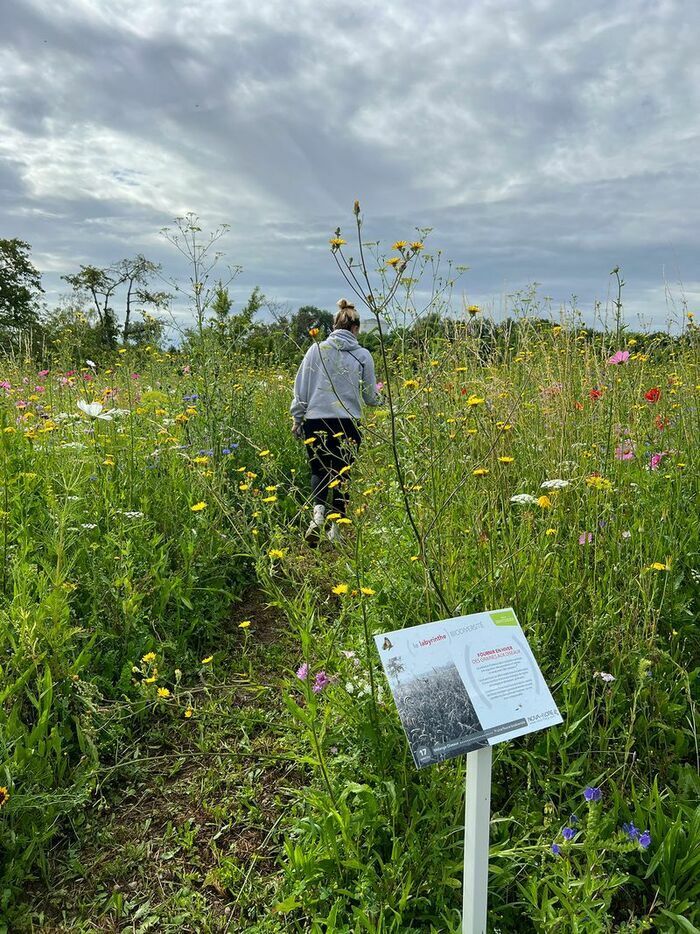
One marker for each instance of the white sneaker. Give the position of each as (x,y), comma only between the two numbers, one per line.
(335,535)
(313,533)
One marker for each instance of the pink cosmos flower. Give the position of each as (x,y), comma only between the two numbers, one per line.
(625,451)
(585,538)
(5,384)
(620,356)
(656,459)
(42,373)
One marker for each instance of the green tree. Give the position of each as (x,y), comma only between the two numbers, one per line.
(307,317)
(20,293)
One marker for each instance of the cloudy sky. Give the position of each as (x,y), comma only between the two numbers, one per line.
(540,145)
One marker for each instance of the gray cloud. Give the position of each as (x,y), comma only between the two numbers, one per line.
(540,146)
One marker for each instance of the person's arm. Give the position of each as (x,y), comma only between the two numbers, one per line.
(302,385)
(369,383)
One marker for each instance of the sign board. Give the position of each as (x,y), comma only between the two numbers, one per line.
(464,683)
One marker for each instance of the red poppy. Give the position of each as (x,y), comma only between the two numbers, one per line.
(661,423)
(595,394)
(653,395)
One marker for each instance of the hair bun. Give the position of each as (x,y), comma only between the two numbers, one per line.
(344,303)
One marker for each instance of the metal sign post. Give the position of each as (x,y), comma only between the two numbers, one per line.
(477,815)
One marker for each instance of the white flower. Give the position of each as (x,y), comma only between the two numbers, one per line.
(555,484)
(91,363)
(523,499)
(604,676)
(133,515)
(88,525)
(349,687)
(94,410)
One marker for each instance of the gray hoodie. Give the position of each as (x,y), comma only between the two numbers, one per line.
(331,377)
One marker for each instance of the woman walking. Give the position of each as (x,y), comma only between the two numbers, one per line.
(333,379)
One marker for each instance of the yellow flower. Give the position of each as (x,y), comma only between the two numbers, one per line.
(4,796)
(310,440)
(334,515)
(269,499)
(474,400)
(313,332)
(149,657)
(393,261)
(333,484)
(599,483)
(270,489)
(367,591)
(410,384)
(245,624)
(198,507)
(263,453)
(335,242)
(340,589)
(151,680)
(202,459)
(506,460)
(551,532)
(208,660)
(399,245)
(480,471)
(544,502)
(108,461)
(188,713)
(473,309)
(276,553)
(344,521)
(416,245)
(244,486)
(163,692)
(343,470)
(658,566)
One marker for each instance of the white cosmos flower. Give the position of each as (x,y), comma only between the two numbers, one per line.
(555,484)
(523,499)
(94,410)
(91,363)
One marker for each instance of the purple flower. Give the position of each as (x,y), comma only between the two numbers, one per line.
(303,672)
(573,819)
(556,849)
(568,833)
(321,681)
(631,831)
(585,538)
(623,452)
(592,794)
(645,839)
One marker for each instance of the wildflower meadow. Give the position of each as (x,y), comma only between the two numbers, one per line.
(195,731)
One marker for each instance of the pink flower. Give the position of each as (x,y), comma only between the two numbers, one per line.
(5,384)
(42,373)
(625,451)
(303,672)
(135,376)
(39,389)
(585,538)
(656,459)
(620,356)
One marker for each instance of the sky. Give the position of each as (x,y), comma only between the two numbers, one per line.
(541,145)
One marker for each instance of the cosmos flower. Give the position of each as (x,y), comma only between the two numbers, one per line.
(620,356)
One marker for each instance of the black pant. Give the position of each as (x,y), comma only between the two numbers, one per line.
(335,446)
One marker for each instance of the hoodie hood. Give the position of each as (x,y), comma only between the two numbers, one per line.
(343,340)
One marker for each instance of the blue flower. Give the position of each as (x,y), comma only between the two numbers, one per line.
(592,794)
(556,849)
(573,819)
(645,839)
(631,831)
(568,833)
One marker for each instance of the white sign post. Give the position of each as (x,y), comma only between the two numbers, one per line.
(462,685)
(477,814)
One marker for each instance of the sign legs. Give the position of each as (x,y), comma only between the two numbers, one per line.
(477,815)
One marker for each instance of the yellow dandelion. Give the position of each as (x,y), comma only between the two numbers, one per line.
(551,532)
(245,624)
(544,502)
(343,521)
(336,242)
(264,453)
(208,660)
(399,245)
(270,499)
(475,400)
(658,566)
(163,692)
(480,471)
(276,553)
(188,713)
(473,309)
(310,440)
(416,245)
(367,591)
(393,261)
(506,459)
(340,589)
(334,515)
(198,507)
(333,484)
(149,657)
